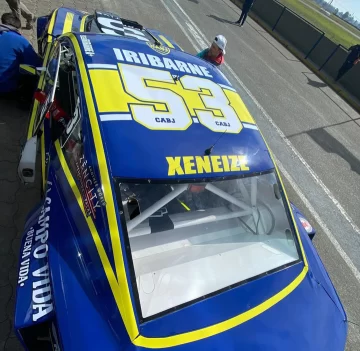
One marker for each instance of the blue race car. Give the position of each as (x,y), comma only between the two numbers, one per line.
(164,223)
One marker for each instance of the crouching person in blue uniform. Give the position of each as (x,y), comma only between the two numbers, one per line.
(15,50)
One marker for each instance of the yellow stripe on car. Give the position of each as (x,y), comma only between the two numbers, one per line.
(122,295)
(42,76)
(167,42)
(196,335)
(29,69)
(68,22)
(51,25)
(66,28)
(36,102)
(82,24)
(98,243)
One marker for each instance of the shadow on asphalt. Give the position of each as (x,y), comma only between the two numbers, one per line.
(331,145)
(222,20)
(356,120)
(316,84)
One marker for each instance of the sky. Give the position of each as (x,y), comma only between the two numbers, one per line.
(353,6)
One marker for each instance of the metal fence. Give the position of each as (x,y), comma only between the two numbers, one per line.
(321,33)
(311,41)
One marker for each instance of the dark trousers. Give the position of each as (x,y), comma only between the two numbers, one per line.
(344,68)
(243,16)
(24,94)
(18,8)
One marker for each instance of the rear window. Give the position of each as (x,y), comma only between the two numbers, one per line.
(191,240)
(109,23)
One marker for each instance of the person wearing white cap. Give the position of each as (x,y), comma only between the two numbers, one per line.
(215,53)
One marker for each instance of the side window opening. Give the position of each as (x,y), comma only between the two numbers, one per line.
(65,111)
(46,95)
(67,90)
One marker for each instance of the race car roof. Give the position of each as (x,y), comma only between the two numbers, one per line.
(110,23)
(164,113)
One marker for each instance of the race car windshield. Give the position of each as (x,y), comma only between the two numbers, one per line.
(191,240)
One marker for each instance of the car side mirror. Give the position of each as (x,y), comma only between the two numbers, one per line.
(27,164)
(309,229)
(302,223)
(31,70)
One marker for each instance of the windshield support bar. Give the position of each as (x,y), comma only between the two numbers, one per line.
(244,191)
(253,191)
(212,218)
(227,196)
(156,206)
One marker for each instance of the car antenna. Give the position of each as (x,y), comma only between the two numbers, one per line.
(210,149)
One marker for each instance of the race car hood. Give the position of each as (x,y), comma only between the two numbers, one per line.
(128,76)
(306,319)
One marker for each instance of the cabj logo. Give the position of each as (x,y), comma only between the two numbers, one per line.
(163,50)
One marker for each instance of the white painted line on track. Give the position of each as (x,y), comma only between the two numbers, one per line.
(197,37)
(346,258)
(318,219)
(180,26)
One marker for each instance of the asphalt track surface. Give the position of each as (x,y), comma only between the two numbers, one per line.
(313,133)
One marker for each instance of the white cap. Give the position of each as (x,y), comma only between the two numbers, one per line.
(220,41)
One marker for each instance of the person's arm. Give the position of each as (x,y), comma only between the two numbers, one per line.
(357,48)
(202,54)
(29,56)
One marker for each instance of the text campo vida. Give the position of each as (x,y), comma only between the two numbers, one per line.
(34,256)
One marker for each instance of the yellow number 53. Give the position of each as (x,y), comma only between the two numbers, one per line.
(159,101)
